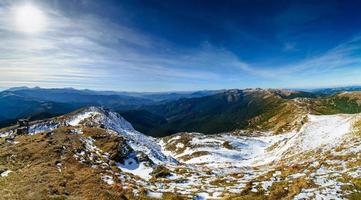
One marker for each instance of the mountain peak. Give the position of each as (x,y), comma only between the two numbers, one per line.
(17,88)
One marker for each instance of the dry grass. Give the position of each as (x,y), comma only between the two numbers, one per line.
(35,174)
(193,155)
(184,138)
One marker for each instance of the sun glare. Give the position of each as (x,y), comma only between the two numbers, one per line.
(29,19)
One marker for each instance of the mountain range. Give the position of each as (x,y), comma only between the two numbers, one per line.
(36,103)
(95,153)
(163,114)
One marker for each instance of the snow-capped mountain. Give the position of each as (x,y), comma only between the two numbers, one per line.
(320,160)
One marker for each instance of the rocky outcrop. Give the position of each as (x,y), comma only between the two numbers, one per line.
(23,127)
(120,151)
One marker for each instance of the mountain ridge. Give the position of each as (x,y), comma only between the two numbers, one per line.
(124,163)
(226,110)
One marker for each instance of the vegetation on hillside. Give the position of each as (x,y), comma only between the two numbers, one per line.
(44,166)
(348,103)
(223,112)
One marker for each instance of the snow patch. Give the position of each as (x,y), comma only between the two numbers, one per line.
(155,195)
(108,179)
(6,134)
(42,127)
(179,145)
(6,173)
(132,166)
(201,196)
(75,121)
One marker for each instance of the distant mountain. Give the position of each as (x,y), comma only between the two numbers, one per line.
(171,96)
(231,110)
(143,120)
(71,95)
(226,111)
(85,97)
(162,114)
(13,106)
(343,102)
(335,90)
(39,103)
(17,88)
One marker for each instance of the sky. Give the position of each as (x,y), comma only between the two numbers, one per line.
(179,45)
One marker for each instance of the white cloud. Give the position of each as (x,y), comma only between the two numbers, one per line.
(342,57)
(288,46)
(87,51)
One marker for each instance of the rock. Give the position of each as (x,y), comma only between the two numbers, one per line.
(23,127)
(120,151)
(161,172)
(2,170)
(142,157)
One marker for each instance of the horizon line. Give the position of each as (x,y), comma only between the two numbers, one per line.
(185,91)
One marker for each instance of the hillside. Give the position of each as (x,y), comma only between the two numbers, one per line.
(74,154)
(40,103)
(208,112)
(78,97)
(13,106)
(345,102)
(67,157)
(229,111)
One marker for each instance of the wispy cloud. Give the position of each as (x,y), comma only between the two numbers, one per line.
(288,46)
(87,51)
(340,59)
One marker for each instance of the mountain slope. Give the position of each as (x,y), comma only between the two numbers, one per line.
(336,90)
(143,121)
(227,111)
(66,95)
(224,111)
(13,106)
(83,97)
(39,103)
(67,157)
(320,161)
(71,148)
(346,102)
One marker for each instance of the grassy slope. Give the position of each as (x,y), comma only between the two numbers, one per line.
(274,110)
(218,113)
(33,162)
(35,175)
(340,103)
(228,111)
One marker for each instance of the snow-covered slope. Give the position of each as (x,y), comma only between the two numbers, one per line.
(320,132)
(304,164)
(229,149)
(113,121)
(269,160)
(140,144)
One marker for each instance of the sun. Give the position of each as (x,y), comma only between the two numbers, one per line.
(29,19)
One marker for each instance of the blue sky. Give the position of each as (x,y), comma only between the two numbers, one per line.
(154,45)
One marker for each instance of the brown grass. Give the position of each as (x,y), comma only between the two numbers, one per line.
(35,174)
